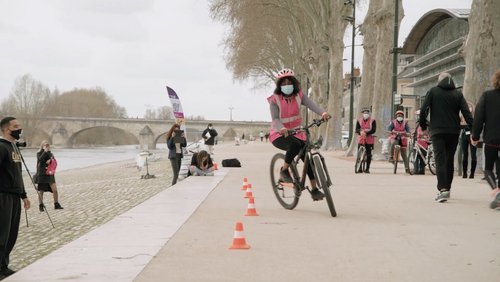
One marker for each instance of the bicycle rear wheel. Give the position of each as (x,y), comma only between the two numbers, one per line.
(360,160)
(323,183)
(412,161)
(286,193)
(397,149)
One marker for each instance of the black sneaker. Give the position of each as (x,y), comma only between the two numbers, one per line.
(58,206)
(367,171)
(5,272)
(285,176)
(317,195)
(41,207)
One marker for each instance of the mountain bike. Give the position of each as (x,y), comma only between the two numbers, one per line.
(288,194)
(426,155)
(361,157)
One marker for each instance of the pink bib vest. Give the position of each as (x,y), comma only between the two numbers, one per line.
(289,115)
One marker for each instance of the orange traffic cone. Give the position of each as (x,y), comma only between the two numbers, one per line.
(248,193)
(251,211)
(245,182)
(239,241)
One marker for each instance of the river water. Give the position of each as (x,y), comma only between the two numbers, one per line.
(85,157)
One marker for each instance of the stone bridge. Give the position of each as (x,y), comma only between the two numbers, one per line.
(62,131)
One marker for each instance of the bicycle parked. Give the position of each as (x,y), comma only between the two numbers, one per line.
(426,156)
(288,194)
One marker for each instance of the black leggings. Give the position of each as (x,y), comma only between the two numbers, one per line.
(292,146)
(465,145)
(491,156)
(176,167)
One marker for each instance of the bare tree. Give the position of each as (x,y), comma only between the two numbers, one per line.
(306,36)
(378,31)
(27,101)
(86,103)
(482,54)
(163,113)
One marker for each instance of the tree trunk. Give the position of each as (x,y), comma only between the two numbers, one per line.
(376,86)
(482,48)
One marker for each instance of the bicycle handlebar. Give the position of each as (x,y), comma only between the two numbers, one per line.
(315,122)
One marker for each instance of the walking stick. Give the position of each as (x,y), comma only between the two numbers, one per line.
(26,213)
(33,183)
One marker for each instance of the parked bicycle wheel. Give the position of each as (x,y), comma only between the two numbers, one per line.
(323,182)
(286,193)
(412,161)
(397,149)
(360,165)
(431,163)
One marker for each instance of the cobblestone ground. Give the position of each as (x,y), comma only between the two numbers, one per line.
(90,197)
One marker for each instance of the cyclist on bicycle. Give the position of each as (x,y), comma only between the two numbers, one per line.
(366,127)
(285,113)
(422,139)
(399,127)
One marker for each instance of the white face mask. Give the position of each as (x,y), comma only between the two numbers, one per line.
(366,116)
(287,89)
(400,119)
(210,127)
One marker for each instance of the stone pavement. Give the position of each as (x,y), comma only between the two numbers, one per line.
(388,229)
(90,197)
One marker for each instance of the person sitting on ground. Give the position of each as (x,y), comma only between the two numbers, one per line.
(46,182)
(201,164)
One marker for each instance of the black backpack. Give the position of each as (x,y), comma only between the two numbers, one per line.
(231,163)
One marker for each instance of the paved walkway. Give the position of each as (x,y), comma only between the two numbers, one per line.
(388,229)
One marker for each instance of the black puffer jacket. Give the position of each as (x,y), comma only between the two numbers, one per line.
(11,177)
(444,102)
(488,116)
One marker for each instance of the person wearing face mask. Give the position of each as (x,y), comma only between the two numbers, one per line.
(285,105)
(209,135)
(399,126)
(11,191)
(444,102)
(366,127)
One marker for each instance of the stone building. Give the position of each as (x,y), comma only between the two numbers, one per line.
(434,46)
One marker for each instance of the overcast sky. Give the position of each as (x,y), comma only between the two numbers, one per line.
(134,48)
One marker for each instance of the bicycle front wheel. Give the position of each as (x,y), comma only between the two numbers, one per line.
(360,160)
(397,149)
(286,193)
(322,181)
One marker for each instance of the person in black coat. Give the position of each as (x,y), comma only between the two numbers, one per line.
(46,182)
(209,135)
(487,117)
(11,191)
(444,102)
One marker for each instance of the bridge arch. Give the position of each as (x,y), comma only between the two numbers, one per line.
(115,131)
